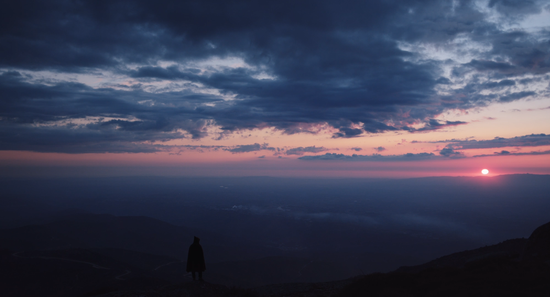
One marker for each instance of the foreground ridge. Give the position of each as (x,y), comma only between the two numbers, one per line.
(515,267)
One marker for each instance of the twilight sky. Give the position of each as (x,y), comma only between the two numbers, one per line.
(282,88)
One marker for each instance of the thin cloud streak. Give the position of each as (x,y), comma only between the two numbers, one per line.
(498,142)
(372,158)
(507,153)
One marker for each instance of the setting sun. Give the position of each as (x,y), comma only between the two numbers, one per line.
(485,171)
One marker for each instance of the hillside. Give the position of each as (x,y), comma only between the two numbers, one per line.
(105,252)
(511,268)
(517,267)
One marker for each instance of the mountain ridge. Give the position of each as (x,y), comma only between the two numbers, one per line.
(107,271)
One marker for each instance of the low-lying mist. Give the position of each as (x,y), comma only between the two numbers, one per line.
(367,224)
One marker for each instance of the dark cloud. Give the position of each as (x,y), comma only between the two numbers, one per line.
(347,133)
(502,83)
(357,149)
(525,54)
(507,153)
(497,142)
(491,66)
(41,117)
(516,96)
(170,73)
(433,124)
(302,150)
(67,141)
(374,157)
(331,64)
(515,7)
(450,153)
(380,149)
(200,148)
(250,148)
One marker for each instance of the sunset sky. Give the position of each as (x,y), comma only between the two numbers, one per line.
(274,88)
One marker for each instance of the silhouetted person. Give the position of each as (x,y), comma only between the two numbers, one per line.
(195,259)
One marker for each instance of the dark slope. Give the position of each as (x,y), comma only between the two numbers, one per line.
(48,273)
(510,248)
(106,253)
(518,267)
(52,266)
(68,273)
(274,270)
(538,246)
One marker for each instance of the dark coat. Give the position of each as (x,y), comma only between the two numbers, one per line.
(195,257)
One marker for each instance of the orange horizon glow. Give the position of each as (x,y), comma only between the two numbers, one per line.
(164,164)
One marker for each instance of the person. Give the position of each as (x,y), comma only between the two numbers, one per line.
(195,259)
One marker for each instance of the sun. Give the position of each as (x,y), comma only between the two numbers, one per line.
(485,171)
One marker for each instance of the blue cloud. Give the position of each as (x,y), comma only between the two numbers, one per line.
(374,157)
(338,65)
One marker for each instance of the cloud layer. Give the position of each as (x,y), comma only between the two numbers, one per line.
(498,142)
(182,69)
(374,157)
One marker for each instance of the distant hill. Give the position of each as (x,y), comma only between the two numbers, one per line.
(510,248)
(517,267)
(537,249)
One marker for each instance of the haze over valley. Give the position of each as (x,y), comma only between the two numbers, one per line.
(339,227)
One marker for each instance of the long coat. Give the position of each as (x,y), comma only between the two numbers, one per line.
(195,257)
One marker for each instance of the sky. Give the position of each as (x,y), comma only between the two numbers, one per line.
(274,88)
